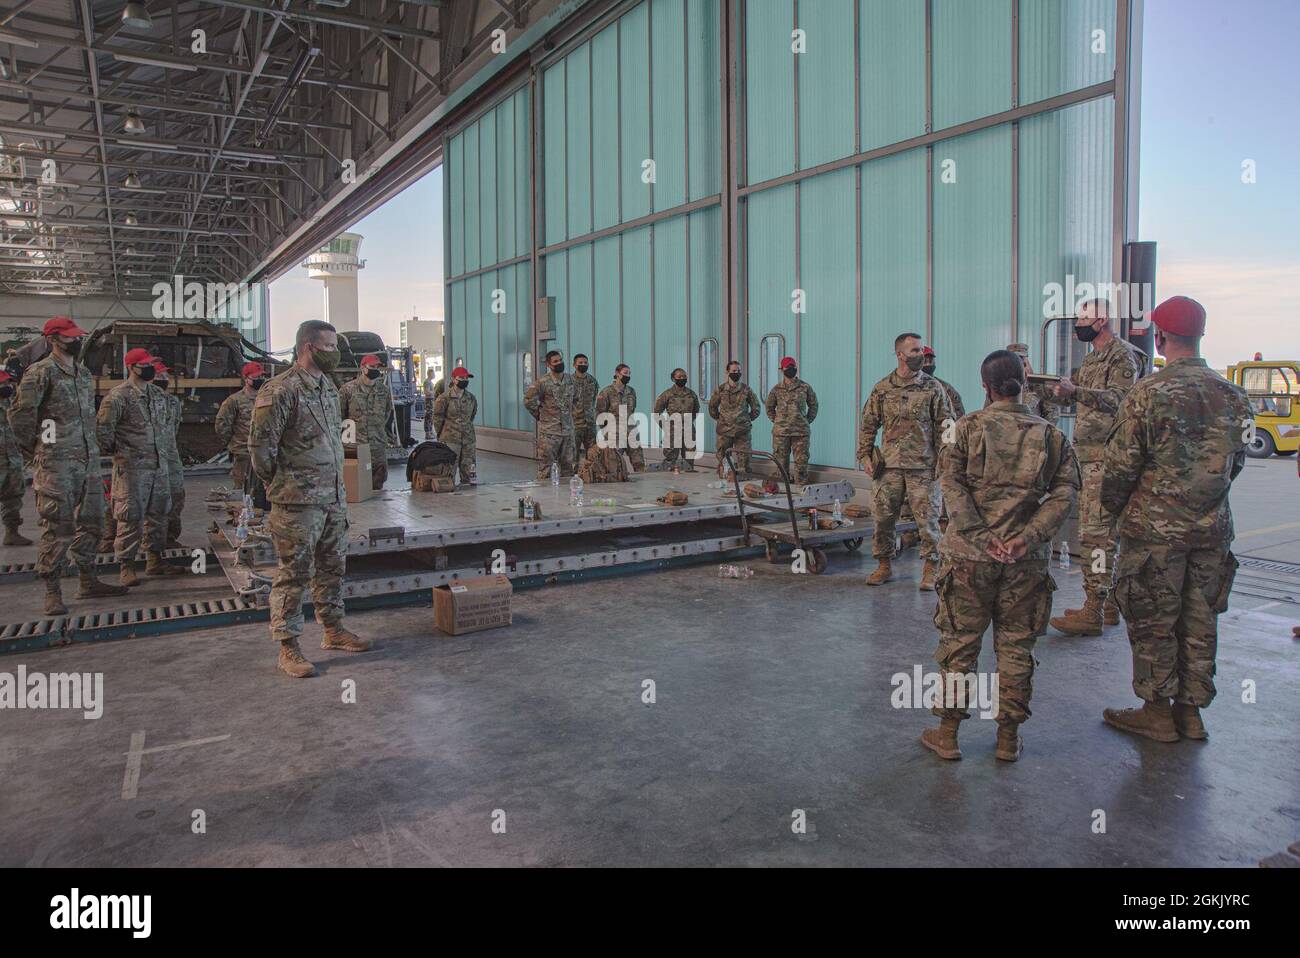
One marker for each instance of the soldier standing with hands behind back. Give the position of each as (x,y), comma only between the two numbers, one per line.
(792,406)
(234,419)
(453,416)
(12,482)
(368,402)
(550,401)
(680,402)
(618,400)
(734,407)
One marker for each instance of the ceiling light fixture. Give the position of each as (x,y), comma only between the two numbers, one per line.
(131,220)
(133,122)
(132,182)
(136,16)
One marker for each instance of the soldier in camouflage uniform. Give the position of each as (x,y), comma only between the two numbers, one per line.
(550,400)
(234,419)
(53,419)
(296,445)
(791,406)
(1104,378)
(168,441)
(585,389)
(617,401)
(949,390)
(1178,443)
(368,402)
(12,482)
(453,416)
(910,409)
(734,407)
(132,421)
(602,465)
(678,405)
(1009,479)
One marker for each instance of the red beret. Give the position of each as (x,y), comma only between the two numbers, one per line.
(138,357)
(370,361)
(788,361)
(4,376)
(252,370)
(62,326)
(1180,316)
(460,372)
(928,351)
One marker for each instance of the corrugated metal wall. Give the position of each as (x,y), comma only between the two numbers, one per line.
(955,236)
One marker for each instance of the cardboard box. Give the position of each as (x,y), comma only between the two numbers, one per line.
(356,473)
(472,605)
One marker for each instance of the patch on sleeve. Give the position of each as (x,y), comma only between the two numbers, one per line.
(265,397)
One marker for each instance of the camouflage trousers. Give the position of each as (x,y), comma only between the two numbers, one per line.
(12,488)
(636,456)
(584,437)
(786,447)
(1171,599)
(176,486)
(70,503)
(552,449)
(378,466)
(428,419)
(1096,531)
(1016,599)
(739,447)
(239,469)
(311,544)
(466,451)
(141,501)
(920,489)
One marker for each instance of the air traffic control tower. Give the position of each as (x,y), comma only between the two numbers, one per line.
(337,264)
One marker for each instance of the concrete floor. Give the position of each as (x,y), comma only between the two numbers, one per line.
(772,695)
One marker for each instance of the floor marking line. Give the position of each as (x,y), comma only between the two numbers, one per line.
(131,780)
(193,741)
(1268,529)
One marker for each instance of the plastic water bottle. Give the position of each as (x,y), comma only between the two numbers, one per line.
(528,510)
(603,502)
(838,513)
(575,491)
(241,531)
(555,473)
(1065,555)
(735,572)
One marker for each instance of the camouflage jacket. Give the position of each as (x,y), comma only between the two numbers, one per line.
(131,424)
(602,465)
(168,435)
(954,398)
(67,399)
(550,401)
(615,395)
(233,421)
(1038,397)
(369,404)
(792,406)
(735,407)
(584,400)
(677,399)
(296,440)
(1105,376)
(910,414)
(9,450)
(1179,442)
(453,416)
(1007,473)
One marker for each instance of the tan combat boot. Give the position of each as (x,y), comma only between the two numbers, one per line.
(1010,745)
(927,575)
(292,662)
(155,565)
(337,637)
(127,575)
(92,587)
(1085,621)
(13,538)
(884,573)
(1154,720)
(1110,611)
(54,597)
(943,740)
(1187,720)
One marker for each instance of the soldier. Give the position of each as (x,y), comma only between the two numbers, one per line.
(368,402)
(453,416)
(549,400)
(53,419)
(12,482)
(1009,479)
(1178,443)
(734,407)
(1105,376)
(131,423)
(234,419)
(175,467)
(432,390)
(585,389)
(618,401)
(910,409)
(296,448)
(792,406)
(678,405)
(954,397)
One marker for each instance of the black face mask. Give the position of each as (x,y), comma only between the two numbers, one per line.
(257,383)
(791,371)
(928,370)
(581,369)
(734,377)
(1086,334)
(373,374)
(73,348)
(558,368)
(462,384)
(625,379)
(148,373)
(6,391)
(679,382)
